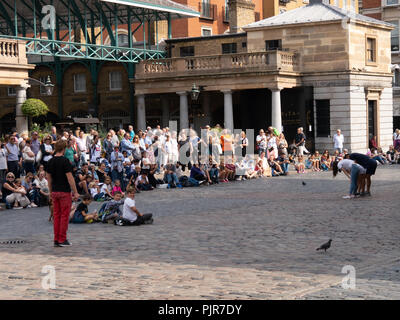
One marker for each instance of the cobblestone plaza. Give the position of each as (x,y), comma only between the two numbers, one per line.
(244,240)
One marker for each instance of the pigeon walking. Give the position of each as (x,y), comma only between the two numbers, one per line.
(325,246)
(303,183)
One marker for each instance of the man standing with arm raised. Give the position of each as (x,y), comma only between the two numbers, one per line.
(61,182)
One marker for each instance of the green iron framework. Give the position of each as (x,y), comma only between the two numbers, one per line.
(87,32)
(95,19)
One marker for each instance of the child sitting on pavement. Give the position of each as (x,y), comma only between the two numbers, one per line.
(117,188)
(106,188)
(95,192)
(131,215)
(82,214)
(142,182)
(110,211)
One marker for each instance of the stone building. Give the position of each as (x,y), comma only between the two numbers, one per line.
(388,10)
(317,66)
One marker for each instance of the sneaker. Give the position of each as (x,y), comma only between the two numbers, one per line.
(66,243)
(17,208)
(179,186)
(56,244)
(201,182)
(118,222)
(33,205)
(348,197)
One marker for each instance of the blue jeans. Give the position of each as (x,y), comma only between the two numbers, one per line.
(355,170)
(171,177)
(285,167)
(214,173)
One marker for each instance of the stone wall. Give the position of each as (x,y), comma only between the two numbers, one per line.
(206,47)
(348,110)
(322,47)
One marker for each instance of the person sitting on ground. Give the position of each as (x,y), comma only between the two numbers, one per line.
(266,169)
(11,194)
(142,182)
(275,167)
(337,156)
(317,161)
(117,187)
(20,199)
(110,211)
(130,214)
(197,173)
(101,172)
(170,176)
(95,192)
(283,161)
(32,192)
(81,177)
(82,214)
(106,188)
(299,165)
(43,187)
(326,161)
(230,165)
(213,171)
(392,155)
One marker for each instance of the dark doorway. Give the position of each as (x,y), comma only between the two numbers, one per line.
(372,128)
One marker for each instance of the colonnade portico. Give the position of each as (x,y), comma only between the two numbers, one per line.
(276,113)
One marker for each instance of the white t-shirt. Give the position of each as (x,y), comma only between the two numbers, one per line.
(396,136)
(338,141)
(261,140)
(104,188)
(93,191)
(96,152)
(81,144)
(127,211)
(345,164)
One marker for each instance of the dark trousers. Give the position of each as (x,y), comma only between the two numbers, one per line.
(29,167)
(14,168)
(140,220)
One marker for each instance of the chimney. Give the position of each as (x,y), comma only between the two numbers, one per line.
(241,13)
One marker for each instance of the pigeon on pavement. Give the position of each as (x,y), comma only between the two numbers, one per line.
(325,246)
(303,183)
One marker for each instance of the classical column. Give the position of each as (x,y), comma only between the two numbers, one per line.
(228,109)
(20,118)
(184,110)
(141,112)
(165,111)
(276,115)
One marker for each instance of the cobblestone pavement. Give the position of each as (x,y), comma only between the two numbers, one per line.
(243,240)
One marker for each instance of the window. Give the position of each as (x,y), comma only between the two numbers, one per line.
(206,32)
(394,36)
(11,91)
(392,2)
(123,40)
(115,80)
(229,48)
(79,82)
(371,50)
(273,45)
(396,78)
(244,44)
(323,118)
(187,51)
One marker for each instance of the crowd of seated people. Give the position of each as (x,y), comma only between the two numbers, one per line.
(104,169)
